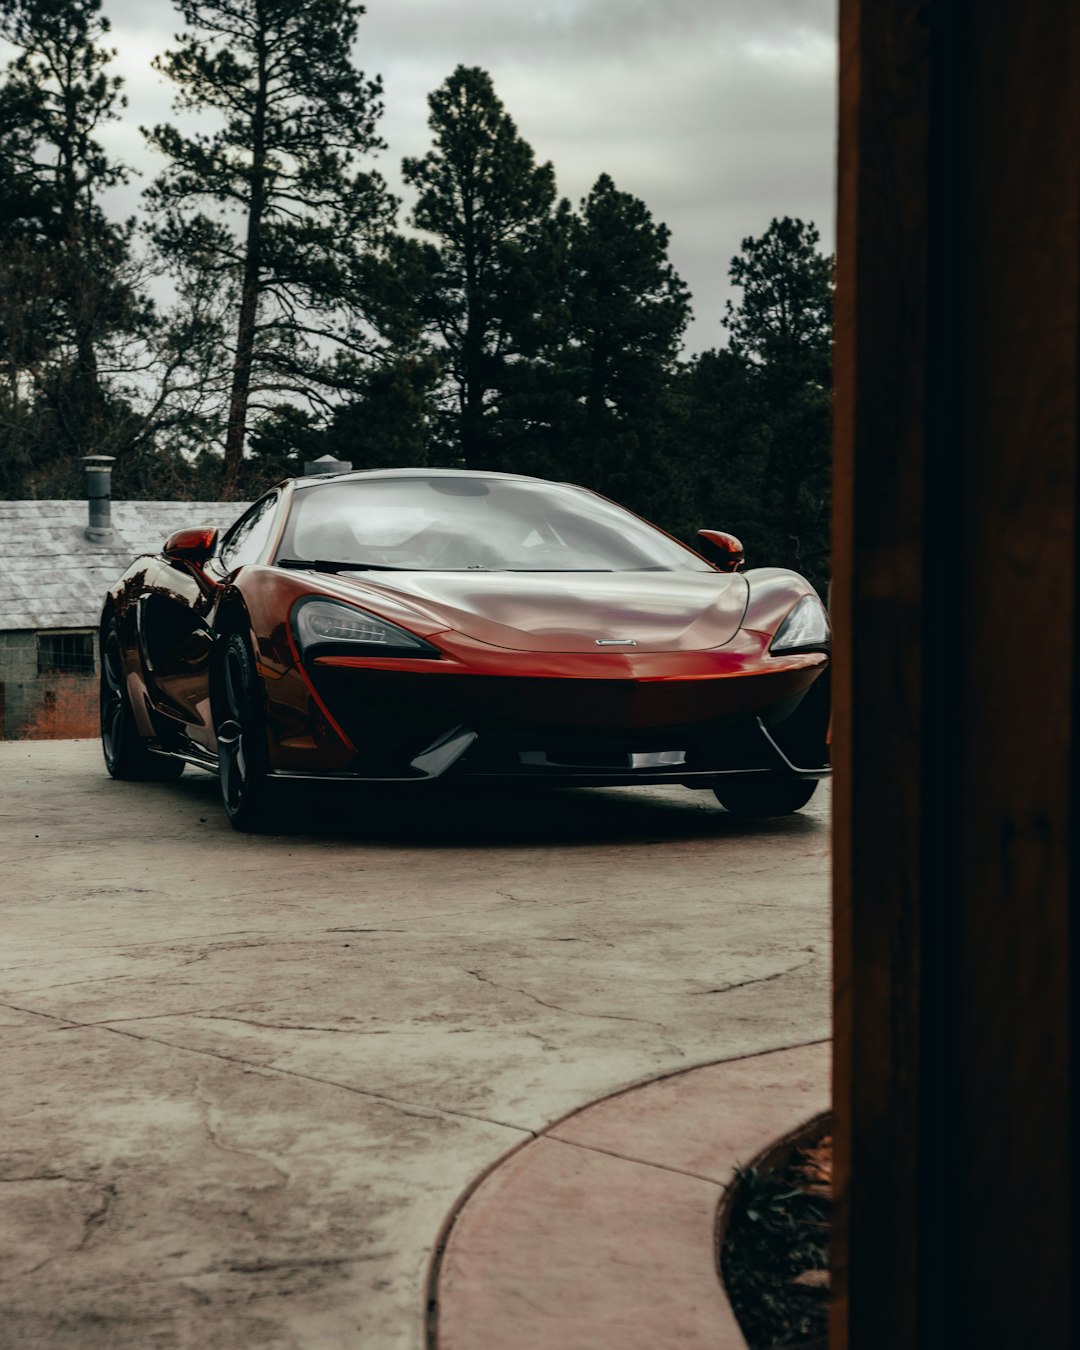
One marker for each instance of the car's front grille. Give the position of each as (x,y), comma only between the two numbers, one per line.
(538,727)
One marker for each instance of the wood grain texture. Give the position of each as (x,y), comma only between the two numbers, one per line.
(955,607)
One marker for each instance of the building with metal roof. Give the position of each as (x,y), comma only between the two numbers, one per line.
(57,559)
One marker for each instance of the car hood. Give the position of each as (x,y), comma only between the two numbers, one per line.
(567,611)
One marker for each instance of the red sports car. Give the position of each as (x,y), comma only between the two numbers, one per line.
(399,625)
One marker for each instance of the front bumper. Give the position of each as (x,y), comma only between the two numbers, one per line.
(412,720)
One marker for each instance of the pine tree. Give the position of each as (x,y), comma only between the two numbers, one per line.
(71,292)
(485,200)
(716,443)
(784,318)
(383,424)
(273,205)
(782,329)
(615,342)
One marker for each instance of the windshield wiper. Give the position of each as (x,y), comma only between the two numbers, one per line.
(324,565)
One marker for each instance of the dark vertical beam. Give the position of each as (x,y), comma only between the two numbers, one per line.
(957,360)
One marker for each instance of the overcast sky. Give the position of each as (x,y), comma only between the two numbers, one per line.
(719,114)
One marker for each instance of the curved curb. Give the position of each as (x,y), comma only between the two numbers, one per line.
(602,1229)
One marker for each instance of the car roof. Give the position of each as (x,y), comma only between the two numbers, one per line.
(353,475)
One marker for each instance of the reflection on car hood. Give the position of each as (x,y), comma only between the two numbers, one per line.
(569,611)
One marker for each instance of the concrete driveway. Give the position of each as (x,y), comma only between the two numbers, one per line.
(246,1079)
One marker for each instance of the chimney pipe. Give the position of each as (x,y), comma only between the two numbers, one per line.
(326,464)
(99,497)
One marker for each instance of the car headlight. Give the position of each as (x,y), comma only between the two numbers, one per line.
(331,623)
(806,629)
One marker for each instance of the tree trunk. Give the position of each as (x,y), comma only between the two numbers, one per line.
(596,417)
(242,365)
(83,405)
(473,383)
(472,412)
(243,360)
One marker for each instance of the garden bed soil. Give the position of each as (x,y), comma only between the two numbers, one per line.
(775,1254)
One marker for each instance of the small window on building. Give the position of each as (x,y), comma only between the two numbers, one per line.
(65,653)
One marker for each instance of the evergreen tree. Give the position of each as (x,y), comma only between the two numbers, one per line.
(782,330)
(784,318)
(72,294)
(272,205)
(612,351)
(28,339)
(628,312)
(715,444)
(485,199)
(389,425)
(384,424)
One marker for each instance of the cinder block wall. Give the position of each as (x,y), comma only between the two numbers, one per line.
(22,689)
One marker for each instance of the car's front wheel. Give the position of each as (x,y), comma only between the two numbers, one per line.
(125,752)
(757,795)
(241,736)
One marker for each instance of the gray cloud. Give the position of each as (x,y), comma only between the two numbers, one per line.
(719,115)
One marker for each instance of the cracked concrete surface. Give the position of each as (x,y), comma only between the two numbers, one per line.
(247,1079)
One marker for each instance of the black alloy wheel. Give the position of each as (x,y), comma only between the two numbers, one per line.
(757,795)
(241,735)
(126,755)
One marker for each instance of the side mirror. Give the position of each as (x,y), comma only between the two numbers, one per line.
(191,546)
(722,549)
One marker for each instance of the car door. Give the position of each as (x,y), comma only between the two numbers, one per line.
(178,638)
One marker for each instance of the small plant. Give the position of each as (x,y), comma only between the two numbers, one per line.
(775,1257)
(68,710)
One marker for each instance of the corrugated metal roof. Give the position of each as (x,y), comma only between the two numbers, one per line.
(52,576)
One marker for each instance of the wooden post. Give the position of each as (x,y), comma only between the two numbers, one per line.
(955,733)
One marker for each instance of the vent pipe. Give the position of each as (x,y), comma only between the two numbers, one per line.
(99,497)
(327,464)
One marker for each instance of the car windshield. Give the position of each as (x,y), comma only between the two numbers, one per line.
(473,524)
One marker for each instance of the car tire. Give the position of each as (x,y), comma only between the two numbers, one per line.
(126,755)
(761,796)
(243,761)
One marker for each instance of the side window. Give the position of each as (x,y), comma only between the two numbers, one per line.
(247,538)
